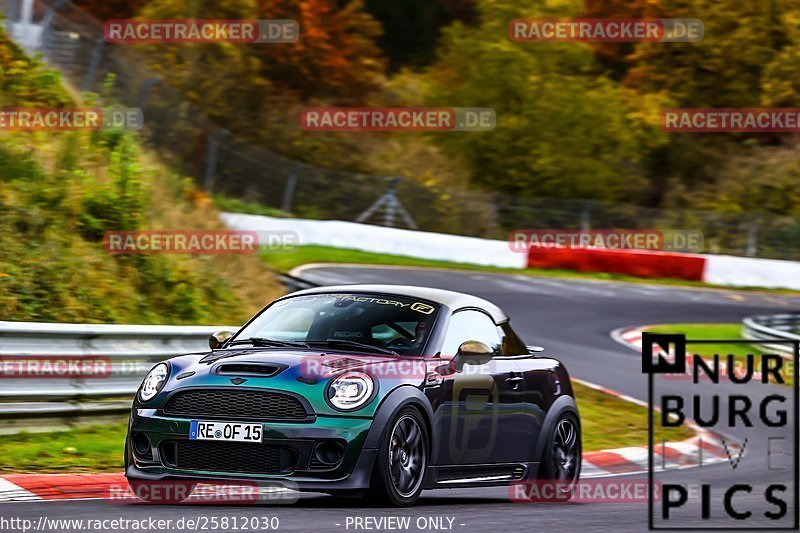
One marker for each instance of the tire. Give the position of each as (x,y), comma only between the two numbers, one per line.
(161,492)
(561,459)
(399,472)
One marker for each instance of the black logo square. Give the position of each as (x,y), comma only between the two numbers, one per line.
(663,353)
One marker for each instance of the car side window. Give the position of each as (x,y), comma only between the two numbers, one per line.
(470,325)
(512,344)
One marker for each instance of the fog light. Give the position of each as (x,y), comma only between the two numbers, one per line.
(329,452)
(141,445)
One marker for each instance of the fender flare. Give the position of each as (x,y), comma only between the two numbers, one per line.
(399,398)
(561,405)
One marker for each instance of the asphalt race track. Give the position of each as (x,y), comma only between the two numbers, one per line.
(572,320)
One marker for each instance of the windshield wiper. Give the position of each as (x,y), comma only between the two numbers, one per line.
(353,344)
(255,341)
(261,341)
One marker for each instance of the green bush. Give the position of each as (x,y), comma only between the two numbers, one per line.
(60,192)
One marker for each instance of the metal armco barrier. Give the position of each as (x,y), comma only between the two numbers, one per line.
(127,353)
(765,328)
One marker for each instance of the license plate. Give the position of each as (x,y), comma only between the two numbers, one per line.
(227,431)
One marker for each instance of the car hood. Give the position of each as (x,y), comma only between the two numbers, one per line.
(303,372)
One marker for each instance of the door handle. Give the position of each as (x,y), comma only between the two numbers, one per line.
(515,380)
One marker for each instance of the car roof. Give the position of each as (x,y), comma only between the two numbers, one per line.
(453,300)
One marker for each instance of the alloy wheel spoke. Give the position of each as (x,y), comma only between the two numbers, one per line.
(570,441)
(406,479)
(407,456)
(412,437)
(565,446)
(402,432)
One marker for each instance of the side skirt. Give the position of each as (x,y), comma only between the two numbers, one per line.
(481,475)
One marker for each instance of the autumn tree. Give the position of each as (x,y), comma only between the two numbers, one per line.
(614,56)
(747,58)
(336,56)
(725,68)
(562,130)
(412,28)
(111,9)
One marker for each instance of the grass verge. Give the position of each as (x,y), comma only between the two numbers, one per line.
(608,422)
(85,449)
(284,261)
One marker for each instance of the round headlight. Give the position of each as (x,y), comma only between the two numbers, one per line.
(350,390)
(154,382)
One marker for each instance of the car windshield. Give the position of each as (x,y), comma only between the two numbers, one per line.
(348,322)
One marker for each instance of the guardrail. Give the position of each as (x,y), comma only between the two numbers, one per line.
(773,327)
(124,354)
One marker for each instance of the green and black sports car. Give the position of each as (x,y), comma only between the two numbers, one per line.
(382,390)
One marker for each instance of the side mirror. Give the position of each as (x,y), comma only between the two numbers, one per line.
(216,340)
(472,353)
(475,348)
(535,349)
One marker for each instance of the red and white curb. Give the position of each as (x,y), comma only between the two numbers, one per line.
(37,487)
(630,337)
(703,449)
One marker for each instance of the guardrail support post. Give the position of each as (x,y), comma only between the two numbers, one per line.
(391,205)
(144,92)
(288,192)
(752,236)
(586,216)
(47,23)
(94,63)
(212,151)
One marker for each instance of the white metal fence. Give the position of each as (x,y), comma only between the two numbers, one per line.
(36,381)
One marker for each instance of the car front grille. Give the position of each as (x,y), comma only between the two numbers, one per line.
(229,457)
(254,404)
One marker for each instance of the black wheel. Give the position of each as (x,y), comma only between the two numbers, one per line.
(561,462)
(402,459)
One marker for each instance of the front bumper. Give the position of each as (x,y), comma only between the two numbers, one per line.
(352,472)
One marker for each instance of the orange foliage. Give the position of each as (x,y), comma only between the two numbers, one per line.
(336,56)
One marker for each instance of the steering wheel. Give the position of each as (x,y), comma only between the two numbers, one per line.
(399,342)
